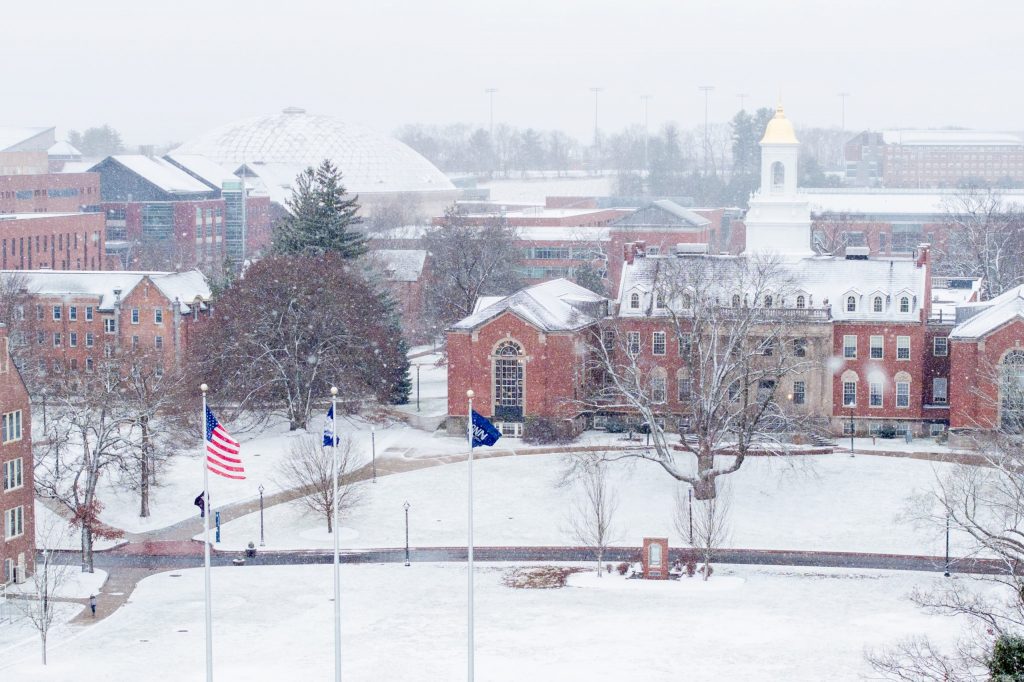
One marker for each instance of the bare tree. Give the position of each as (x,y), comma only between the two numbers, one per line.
(593,515)
(985,238)
(468,261)
(45,583)
(832,234)
(707,520)
(310,466)
(739,346)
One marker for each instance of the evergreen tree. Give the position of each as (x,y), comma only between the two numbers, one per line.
(322,217)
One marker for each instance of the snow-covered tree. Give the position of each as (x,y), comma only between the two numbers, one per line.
(310,465)
(280,337)
(704,523)
(593,514)
(322,217)
(985,238)
(45,582)
(739,348)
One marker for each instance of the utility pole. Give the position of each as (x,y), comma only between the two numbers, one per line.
(490,94)
(707,90)
(597,98)
(646,99)
(743,100)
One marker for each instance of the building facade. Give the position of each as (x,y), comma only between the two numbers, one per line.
(48,192)
(17,492)
(56,241)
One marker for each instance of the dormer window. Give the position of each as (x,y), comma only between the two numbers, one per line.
(876,304)
(851,304)
(634,301)
(767,301)
(735,300)
(659,300)
(687,301)
(904,304)
(801,302)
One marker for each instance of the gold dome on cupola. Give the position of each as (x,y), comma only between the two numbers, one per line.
(779,130)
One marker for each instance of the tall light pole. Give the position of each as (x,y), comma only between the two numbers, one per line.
(406,508)
(646,99)
(946,573)
(707,90)
(597,98)
(334,532)
(842,129)
(262,543)
(490,94)
(373,451)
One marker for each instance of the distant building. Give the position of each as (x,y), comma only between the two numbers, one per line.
(405,274)
(934,158)
(25,151)
(17,490)
(48,192)
(55,241)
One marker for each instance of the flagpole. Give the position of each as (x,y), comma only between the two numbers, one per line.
(206,545)
(469,544)
(334,526)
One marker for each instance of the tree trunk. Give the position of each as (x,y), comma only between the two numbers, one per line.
(330,521)
(600,558)
(144,470)
(42,638)
(87,558)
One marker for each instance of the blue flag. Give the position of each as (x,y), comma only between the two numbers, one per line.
(483,432)
(330,438)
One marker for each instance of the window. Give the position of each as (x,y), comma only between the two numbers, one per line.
(89,339)
(109,325)
(800,348)
(735,300)
(659,300)
(902,347)
(767,346)
(851,304)
(159,341)
(158,372)
(685,387)
(801,302)
(876,304)
(658,343)
(939,386)
(658,388)
(135,315)
(40,338)
(108,350)
(849,393)
(73,313)
(13,474)
(940,346)
(685,345)
(39,312)
(849,346)
(73,339)
(902,394)
(633,342)
(875,394)
(88,313)
(904,304)
(135,342)
(634,301)
(799,392)
(14,522)
(768,301)
(158,316)
(56,339)
(877,347)
(608,339)
(88,364)
(10,427)
(56,312)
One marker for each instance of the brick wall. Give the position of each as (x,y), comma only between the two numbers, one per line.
(14,398)
(58,242)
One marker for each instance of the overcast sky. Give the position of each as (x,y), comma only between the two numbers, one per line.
(165,71)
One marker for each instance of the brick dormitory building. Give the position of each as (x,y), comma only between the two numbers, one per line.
(17,539)
(888,345)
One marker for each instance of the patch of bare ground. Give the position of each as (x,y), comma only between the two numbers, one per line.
(538,577)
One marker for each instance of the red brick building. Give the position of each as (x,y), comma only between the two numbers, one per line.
(74,319)
(58,241)
(17,496)
(49,192)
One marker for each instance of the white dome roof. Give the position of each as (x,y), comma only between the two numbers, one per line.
(369,161)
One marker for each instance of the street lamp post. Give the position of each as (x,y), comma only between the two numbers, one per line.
(947,546)
(406,507)
(851,432)
(417,388)
(262,543)
(373,451)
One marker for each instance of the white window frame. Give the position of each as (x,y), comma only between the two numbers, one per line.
(940,397)
(935,346)
(158,342)
(56,313)
(73,313)
(853,393)
(135,316)
(850,303)
(14,474)
(876,390)
(902,347)
(659,389)
(877,305)
(158,316)
(109,325)
(902,394)
(876,343)
(799,392)
(633,343)
(634,301)
(847,346)
(14,522)
(88,313)
(658,340)
(908,306)
(90,340)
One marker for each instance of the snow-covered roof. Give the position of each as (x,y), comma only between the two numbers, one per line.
(662,213)
(15,136)
(993,314)
(556,305)
(34,216)
(64,149)
(201,167)
(370,162)
(951,137)
(485,301)
(935,202)
(274,179)
(826,280)
(949,293)
(403,265)
(77,166)
(161,173)
(184,286)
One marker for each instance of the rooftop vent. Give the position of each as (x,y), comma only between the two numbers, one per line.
(857,252)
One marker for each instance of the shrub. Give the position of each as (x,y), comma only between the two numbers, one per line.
(691,568)
(622,568)
(1007,663)
(615,426)
(546,431)
(887,431)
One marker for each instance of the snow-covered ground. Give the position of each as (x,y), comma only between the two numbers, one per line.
(827,502)
(72,583)
(19,640)
(409,624)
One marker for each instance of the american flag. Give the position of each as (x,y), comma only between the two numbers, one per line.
(222,456)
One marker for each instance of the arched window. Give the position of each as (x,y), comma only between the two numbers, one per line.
(659,300)
(508,381)
(687,301)
(778,176)
(768,301)
(851,304)
(904,304)
(1011,400)
(801,302)
(876,304)
(634,301)
(735,300)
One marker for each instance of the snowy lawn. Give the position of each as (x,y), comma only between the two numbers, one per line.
(54,532)
(19,640)
(274,623)
(827,502)
(74,584)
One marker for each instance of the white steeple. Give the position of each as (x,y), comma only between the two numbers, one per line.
(779,219)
